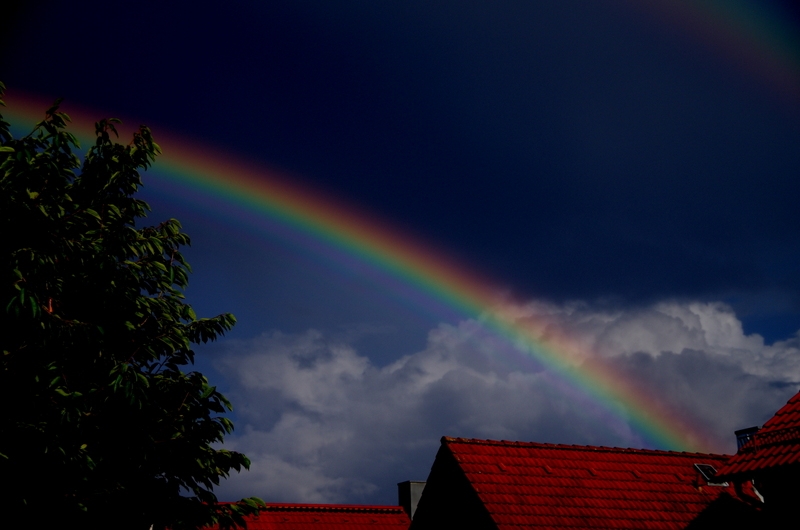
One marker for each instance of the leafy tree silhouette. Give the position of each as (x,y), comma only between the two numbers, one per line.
(101,426)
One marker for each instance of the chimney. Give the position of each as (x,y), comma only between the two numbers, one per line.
(743,436)
(409,493)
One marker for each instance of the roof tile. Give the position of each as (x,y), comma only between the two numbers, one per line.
(328,516)
(568,486)
(776,444)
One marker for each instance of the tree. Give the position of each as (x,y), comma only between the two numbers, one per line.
(101,427)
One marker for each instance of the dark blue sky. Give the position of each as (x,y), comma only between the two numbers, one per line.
(570,150)
(589,151)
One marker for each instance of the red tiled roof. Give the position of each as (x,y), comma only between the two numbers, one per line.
(777,444)
(569,486)
(333,516)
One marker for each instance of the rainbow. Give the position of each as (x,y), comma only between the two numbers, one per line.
(753,36)
(760,39)
(264,195)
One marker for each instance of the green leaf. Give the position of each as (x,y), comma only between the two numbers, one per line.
(105,342)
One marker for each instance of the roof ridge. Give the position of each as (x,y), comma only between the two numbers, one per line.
(775,445)
(790,408)
(363,508)
(600,448)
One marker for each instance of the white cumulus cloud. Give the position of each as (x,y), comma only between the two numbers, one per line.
(322,423)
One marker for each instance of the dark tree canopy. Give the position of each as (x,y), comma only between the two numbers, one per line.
(101,426)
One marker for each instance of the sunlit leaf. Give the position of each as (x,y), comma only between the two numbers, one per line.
(96,342)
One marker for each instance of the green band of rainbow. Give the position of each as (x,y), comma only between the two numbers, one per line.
(251,189)
(759,40)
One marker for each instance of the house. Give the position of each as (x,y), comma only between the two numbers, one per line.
(769,458)
(485,484)
(329,517)
(502,485)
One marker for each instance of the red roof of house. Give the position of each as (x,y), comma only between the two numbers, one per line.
(333,516)
(777,444)
(569,486)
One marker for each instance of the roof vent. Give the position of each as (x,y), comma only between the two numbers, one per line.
(709,474)
(409,493)
(743,436)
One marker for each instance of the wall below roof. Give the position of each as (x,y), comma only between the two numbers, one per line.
(449,500)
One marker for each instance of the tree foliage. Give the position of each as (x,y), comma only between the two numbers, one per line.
(101,426)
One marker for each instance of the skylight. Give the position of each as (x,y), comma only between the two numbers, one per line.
(709,474)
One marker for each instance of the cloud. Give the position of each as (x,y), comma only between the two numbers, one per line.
(322,423)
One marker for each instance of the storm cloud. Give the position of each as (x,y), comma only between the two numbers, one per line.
(322,423)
